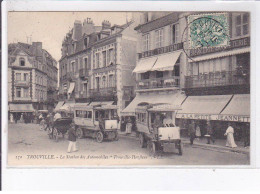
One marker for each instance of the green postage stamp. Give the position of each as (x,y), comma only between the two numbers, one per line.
(208,30)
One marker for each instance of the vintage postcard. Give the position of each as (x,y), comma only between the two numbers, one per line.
(132,88)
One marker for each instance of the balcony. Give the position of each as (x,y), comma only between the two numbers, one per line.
(159,83)
(22,83)
(212,79)
(103,93)
(83,73)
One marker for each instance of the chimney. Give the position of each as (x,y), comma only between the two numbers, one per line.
(77,30)
(105,25)
(88,26)
(37,49)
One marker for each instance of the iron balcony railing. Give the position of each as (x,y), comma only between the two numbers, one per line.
(83,73)
(110,91)
(222,78)
(155,83)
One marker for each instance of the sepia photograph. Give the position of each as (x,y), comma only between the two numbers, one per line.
(135,88)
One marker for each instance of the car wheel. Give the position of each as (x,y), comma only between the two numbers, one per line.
(79,133)
(100,137)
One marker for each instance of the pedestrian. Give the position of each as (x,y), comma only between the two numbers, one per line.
(198,132)
(101,122)
(156,125)
(230,136)
(210,133)
(72,139)
(128,126)
(192,132)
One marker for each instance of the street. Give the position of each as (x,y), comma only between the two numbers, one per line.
(28,145)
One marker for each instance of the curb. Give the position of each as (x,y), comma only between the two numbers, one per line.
(202,146)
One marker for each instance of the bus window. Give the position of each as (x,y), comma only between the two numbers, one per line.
(89,114)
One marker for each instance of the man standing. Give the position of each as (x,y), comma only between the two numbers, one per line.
(156,125)
(72,139)
(192,132)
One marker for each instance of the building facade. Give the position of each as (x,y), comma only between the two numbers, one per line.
(99,68)
(161,62)
(200,84)
(217,82)
(32,78)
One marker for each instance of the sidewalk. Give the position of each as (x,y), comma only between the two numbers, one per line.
(219,145)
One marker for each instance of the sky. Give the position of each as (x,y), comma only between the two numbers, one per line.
(51,27)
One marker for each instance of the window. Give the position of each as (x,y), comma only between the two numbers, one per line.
(146,42)
(242,24)
(145,75)
(97,60)
(89,114)
(141,117)
(18,76)
(176,70)
(104,80)
(104,55)
(22,62)
(111,80)
(73,67)
(25,77)
(159,38)
(175,33)
(86,63)
(97,83)
(86,41)
(25,92)
(18,92)
(110,56)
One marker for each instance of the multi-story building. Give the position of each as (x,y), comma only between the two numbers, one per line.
(32,78)
(161,63)
(210,83)
(99,68)
(217,82)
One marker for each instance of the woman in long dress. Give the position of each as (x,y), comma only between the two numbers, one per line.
(230,137)
(198,132)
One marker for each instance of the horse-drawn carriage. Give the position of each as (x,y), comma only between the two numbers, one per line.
(59,127)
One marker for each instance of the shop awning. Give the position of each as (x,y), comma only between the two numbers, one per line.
(67,107)
(21,108)
(220,54)
(166,62)
(174,100)
(145,65)
(71,88)
(203,107)
(60,103)
(238,109)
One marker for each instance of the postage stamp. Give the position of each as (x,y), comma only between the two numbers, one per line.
(208,30)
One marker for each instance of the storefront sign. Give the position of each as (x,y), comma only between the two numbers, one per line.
(238,43)
(161,50)
(235,118)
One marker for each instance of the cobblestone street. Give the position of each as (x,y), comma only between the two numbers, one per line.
(29,145)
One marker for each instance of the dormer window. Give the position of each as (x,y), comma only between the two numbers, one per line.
(22,62)
(86,42)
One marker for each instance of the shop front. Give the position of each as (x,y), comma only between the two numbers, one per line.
(20,112)
(219,110)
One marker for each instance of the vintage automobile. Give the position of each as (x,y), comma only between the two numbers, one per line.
(168,137)
(60,126)
(87,123)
